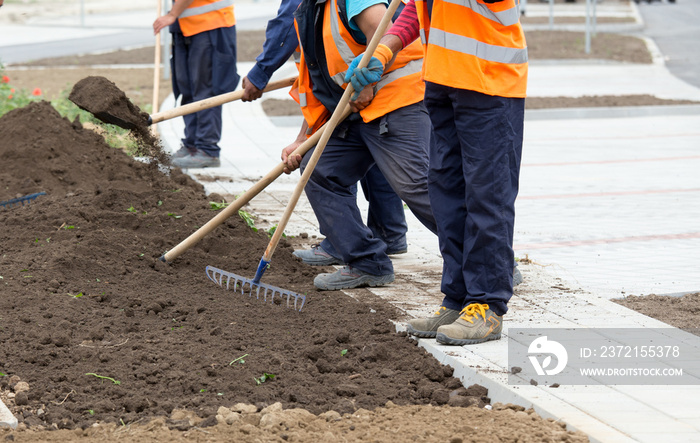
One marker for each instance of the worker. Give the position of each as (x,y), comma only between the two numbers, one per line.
(385,218)
(392,132)
(475,72)
(203,65)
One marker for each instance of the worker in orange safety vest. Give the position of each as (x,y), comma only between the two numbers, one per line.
(203,65)
(475,71)
(391,131)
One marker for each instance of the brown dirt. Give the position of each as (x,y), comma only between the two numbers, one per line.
(682,312)
(548,45)
(86,298)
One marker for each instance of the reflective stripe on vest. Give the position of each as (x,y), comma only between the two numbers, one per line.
(197,10)
(471,46)
(400,85)
(508,17)
(206,15)
(475,46)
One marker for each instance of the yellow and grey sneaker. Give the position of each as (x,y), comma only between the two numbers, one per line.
(476,324)
(427,327)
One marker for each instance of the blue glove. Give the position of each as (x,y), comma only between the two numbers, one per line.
(364,76)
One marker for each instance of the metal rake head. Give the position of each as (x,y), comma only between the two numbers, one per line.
(20,201)
(262,291)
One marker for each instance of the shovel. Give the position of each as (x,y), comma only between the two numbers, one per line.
(254,285)
(126,115)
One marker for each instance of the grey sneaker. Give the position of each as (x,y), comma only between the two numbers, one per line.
(477,324)
(427,327)
(197,160)
(316,256)
(184,151)
(347,278)
(517,276)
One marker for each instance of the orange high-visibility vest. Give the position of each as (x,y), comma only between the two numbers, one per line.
(474,45)
(400,85)
(205,15)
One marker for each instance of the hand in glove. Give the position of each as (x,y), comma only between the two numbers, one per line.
(361,77)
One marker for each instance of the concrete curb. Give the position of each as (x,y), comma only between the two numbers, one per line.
(610,112)
(7,420)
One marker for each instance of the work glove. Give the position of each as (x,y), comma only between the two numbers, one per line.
(372,73)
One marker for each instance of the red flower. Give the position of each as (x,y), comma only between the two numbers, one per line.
(5,79)
(9,96)
(36,91)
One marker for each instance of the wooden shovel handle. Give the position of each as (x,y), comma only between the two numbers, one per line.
(242,200)
(336,117)
(214,101)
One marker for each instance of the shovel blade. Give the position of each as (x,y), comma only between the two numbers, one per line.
(260,291)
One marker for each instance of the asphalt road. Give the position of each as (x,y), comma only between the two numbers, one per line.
(675,27)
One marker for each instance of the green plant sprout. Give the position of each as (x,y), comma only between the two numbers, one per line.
(343,352)
(271,232)
(202,390)
(78,295)
(248,218)
(2,374)
(239,360)
(264,378)
(67,227)
(132,210)
(215,206)
(173,215)
(160,202)
(103,378)
(91,412)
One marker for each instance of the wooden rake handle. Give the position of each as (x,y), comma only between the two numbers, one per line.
(328,129)
(214,101)
(242,200)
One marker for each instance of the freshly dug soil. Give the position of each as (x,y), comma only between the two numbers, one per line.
(95,329)
(682,312)
(103,99)
(107,102)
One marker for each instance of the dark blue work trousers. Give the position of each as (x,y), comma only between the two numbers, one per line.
(475,156)
(386,217)
(398,144)
(204,65)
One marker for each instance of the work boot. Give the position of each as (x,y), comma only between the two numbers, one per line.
(476,324)
(316,256)
(197,160)
(427,327)
(348,278)
(517,276)
(184,151)
(397,249)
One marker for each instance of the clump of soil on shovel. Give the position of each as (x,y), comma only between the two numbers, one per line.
(102,98)
(100,329)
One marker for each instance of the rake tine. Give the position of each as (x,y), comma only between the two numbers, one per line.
(268,292)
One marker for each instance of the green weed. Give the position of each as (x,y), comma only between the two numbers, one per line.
(248,218)
(239,360)
(103,378)
(262,379)
(215,206)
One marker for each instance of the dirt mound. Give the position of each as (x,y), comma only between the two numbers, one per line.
(94,327)
(102,98)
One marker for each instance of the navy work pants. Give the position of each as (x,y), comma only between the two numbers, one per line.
(398,144)
(203,65)
(386,217)
(473,181)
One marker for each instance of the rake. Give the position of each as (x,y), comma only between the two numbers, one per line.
(20,201)
(338,115)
